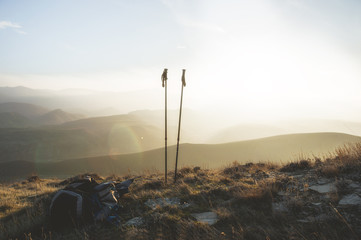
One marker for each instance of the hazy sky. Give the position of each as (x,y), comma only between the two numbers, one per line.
(264,58)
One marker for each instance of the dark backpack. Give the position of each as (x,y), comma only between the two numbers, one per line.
(85,201)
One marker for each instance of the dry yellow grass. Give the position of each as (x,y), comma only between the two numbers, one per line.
(241,195)
(23,205)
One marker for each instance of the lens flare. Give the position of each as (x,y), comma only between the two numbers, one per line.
(123,139)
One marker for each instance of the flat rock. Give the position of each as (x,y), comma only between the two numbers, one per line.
(137,221)
(324,188)
(206,217)
(351,199)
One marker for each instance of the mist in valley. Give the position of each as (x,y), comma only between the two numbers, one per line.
(284,74)
(180,119)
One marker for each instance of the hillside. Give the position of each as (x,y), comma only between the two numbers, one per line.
(20,92)
(25,109)
(57,116)
(245,131)
(273,149)
(39,145)
(23,115)
(301,200)
(14,120)
(82,138)
(121,133)
(253,130)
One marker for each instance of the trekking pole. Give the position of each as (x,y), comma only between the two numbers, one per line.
(164,84)
(179,124)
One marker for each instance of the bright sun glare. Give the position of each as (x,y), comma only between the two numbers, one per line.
(262,58)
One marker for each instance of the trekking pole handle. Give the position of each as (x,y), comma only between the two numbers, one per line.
(184,77)
(164,76)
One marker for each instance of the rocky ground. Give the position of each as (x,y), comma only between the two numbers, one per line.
(308,199)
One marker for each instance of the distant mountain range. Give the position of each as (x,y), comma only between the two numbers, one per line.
(253,131)
(33,133)
(201,126)
(272,149)
(14,120)
(25,109)
(38,133)
(81,138)
(87,102)
(57,116)
(20,115)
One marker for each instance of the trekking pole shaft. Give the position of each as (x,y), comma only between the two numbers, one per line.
(165,139)
(179,126)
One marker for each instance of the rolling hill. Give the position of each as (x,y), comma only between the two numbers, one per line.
(201,126)
(57,116)
(88,100)
(82,138)
(14,120)
(253,130)
(137,131)
(27,110)
(23,115)
(276,149)
(245,132)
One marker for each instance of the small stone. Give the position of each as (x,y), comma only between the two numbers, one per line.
(184,205)
(351,199)
(137,221)
(325,188)
(206,217)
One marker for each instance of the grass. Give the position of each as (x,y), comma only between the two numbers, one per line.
(242,195)
(346,159)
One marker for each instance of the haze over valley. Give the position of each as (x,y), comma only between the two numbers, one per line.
(180,119)
(265,81)
(57,142)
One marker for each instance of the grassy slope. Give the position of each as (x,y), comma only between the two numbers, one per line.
(241,195)
(135,132)
(272,149)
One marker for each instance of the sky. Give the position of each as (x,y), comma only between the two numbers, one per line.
(260,58)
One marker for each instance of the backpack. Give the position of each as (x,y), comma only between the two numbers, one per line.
(85,201)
